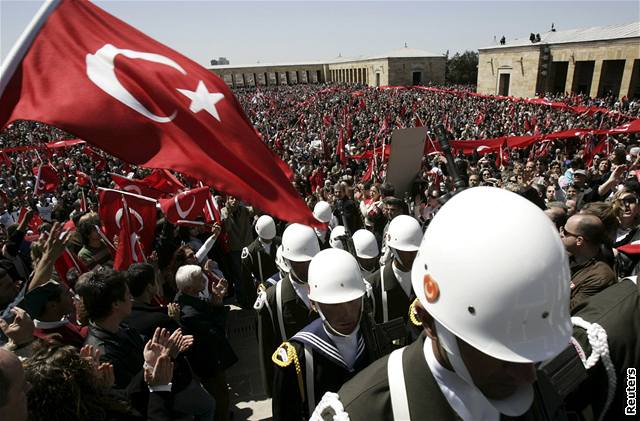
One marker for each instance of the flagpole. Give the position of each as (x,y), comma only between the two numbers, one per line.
(22,45)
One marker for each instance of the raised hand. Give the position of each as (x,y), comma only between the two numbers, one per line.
(160,373)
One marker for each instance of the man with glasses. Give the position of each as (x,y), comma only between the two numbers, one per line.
(582,236)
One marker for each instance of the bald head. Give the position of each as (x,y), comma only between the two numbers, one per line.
(588,226)
(13,388)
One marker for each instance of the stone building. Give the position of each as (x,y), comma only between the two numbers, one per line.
(594,61)
(405,66)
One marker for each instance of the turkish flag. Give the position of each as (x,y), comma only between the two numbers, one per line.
(164,181)
(135,186)
(133,219)
(187,205)
(34,223)
(47,178)
(82,178)
(144,103)
(67,262)
(101,163)
(211,209)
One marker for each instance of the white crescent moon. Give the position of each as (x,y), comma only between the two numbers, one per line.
(183,214)
(101,71)
(133,212)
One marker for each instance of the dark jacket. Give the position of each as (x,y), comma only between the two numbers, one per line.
(366,397)
(588,279)
(211,352)
(145,318)
(257,266)
(617,310)
(329,372)
(351,212)
(295,315)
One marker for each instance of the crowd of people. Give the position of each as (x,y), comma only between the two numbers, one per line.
(450,300)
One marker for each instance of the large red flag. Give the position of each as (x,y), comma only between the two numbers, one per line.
(121,211)
(135,186)
(164,181)
(47,178)
(187,205)
(144,103)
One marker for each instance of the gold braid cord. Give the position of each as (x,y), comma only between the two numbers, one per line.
(291,356)
(412,314)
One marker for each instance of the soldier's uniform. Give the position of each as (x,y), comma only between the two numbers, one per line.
(306,367)
(367,397)
(257,266)
(390,300)
(284,314)
(617,310)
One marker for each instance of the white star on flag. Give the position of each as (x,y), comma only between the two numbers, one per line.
(202,99)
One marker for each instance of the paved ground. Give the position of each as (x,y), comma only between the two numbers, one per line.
(248,400)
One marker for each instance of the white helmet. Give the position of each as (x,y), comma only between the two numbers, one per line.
(510,296)
(266,227)
(365,244)
(334,242)
(404,233)
(281,263)
(334,277)
(299,243)
(322,211)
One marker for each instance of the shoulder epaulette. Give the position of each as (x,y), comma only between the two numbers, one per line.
(285,355)
(412,314)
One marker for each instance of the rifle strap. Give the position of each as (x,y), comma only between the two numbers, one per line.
(308,362)
(397,387)
(383,293)
(279,310)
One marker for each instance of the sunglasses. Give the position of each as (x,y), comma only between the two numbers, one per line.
(566,233)
(629,200)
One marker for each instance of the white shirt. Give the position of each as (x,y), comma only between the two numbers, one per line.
(404,279)
(303,292)
(347,345)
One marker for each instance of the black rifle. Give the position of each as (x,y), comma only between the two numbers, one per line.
(458,180)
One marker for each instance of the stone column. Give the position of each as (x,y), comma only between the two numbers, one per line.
(595,80)
(571,68)
(625,83)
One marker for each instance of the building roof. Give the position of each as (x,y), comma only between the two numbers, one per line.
(238,66)
(598,33)
(404,52)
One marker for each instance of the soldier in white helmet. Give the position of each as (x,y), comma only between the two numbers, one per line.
(322,212)
(490,311)
(330,350)
(287,308)
(367,251)
(391,284)
(259,258)
(338,234)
